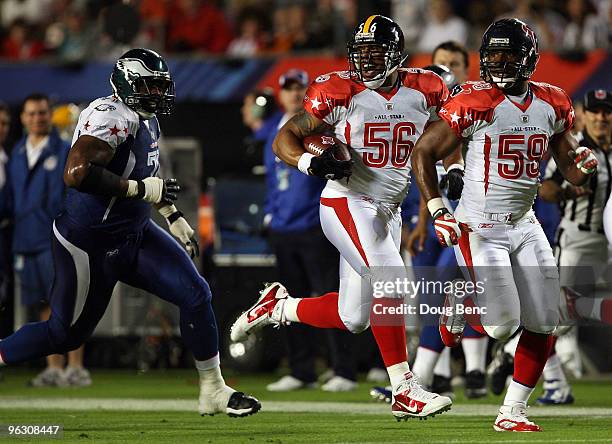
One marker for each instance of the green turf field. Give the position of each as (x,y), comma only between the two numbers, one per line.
(159,407)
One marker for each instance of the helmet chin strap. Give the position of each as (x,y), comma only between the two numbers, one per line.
(375,84)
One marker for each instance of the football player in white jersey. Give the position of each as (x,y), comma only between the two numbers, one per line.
(508,122)
(380,110)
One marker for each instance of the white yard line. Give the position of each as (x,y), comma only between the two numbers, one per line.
(182,405)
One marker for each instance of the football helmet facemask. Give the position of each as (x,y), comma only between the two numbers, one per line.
(443,71)
(141,79)
(375,50)
(508,53)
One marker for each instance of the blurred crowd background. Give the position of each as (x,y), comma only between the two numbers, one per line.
(72,30)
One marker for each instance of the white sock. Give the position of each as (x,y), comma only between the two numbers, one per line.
(517,394)
(475,351)
(210,372)
(443,368)
(290,309)
(424,364)
(510,346)
(554,370)
(397,373)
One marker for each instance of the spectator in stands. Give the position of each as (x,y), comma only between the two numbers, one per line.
(293,30)
(410,16)
(197,25)
(530,13)
(252,35)
(443,25)
(154,15)
(586,30)
(32,12)
(32,197)
(19,43)
(71,39)
(307,263)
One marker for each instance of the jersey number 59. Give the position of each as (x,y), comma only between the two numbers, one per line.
(536,147)
(376,135)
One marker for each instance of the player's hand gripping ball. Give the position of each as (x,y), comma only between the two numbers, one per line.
(332,159)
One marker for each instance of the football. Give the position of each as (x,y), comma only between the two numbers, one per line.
(318,143)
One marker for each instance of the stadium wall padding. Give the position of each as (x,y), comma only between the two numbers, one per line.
(227,80)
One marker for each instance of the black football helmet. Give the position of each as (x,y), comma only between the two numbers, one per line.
(447,75)
(375,50)
(142,80)
(514,37)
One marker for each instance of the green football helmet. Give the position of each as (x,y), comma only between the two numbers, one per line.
(141,79)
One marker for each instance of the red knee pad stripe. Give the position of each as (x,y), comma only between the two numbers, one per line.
(340,206)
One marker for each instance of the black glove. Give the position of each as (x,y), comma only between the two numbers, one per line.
(453,181)
(327,167)
(172,188)
(156,190)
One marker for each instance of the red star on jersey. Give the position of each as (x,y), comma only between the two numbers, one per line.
(86,126)
(114,130)
(125,130)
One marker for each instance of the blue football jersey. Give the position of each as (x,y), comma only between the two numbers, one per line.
(135,142)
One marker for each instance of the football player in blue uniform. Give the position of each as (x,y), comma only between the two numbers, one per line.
(105,235)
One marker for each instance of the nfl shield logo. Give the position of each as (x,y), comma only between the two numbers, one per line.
(524,118)
(600,94)
(389,106)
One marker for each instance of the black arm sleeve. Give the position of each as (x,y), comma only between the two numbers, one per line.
(101,182)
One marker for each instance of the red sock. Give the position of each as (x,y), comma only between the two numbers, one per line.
(321,312)
(531,354)
(553,342)
(606,311)
(389,330)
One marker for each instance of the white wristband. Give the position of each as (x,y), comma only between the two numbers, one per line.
(167,210)
(304,162)
(132,188)
(434,205)
(454,166)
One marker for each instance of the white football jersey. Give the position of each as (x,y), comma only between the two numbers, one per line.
(505,143)
(107,119)
(381,128)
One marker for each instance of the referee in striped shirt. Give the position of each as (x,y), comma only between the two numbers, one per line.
(581,246)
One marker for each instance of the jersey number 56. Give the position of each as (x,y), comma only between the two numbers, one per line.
(376,135)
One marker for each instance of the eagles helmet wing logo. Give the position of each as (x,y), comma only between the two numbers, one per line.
(134,69)
(105,107)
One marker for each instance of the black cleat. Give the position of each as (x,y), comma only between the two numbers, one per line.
(240,405)
(442,386)
(501,367)
(475,386)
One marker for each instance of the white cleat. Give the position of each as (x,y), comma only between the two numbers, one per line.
(227,400)
(289,383)
(339,384)
(268,310)
(514,419)
(410,400)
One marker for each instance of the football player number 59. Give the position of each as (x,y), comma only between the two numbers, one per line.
(376,135)
(536,147)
